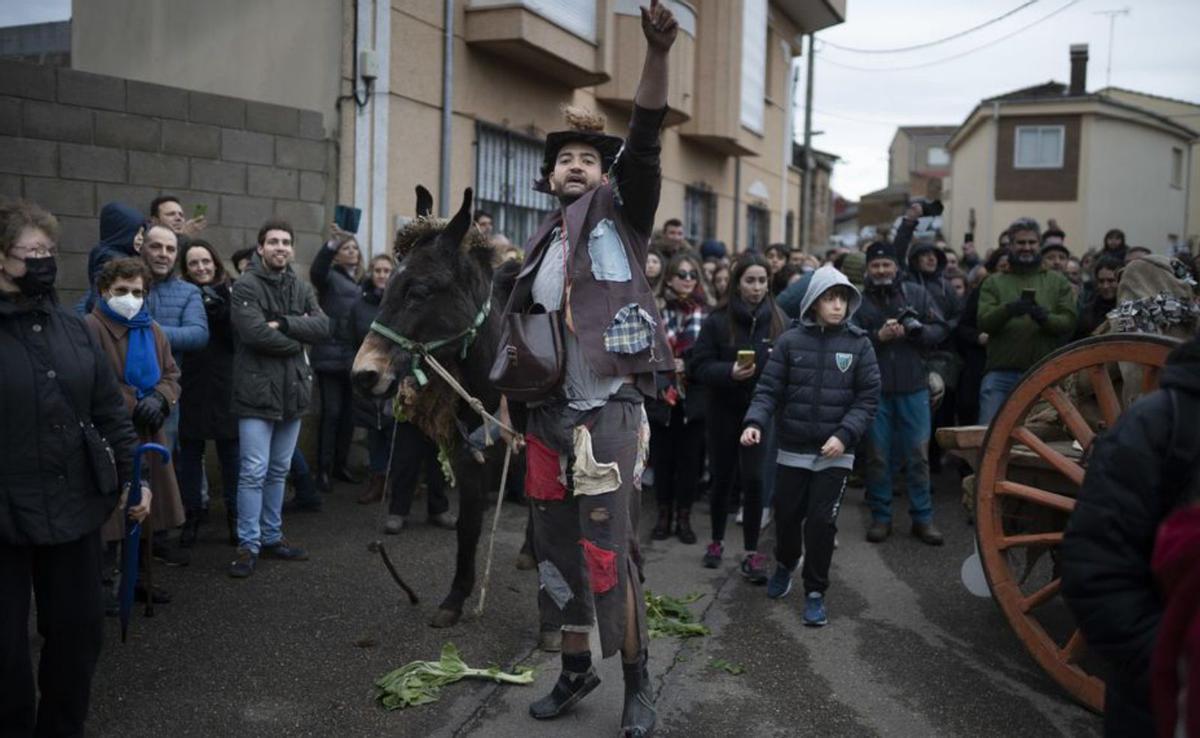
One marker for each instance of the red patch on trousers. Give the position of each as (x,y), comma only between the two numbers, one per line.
(602,566)
(541,471)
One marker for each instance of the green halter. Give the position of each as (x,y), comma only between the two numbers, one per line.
(421,350)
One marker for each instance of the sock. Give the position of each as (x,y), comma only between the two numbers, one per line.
(577,663)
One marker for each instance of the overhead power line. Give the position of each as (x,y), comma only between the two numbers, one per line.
(927,44)
(952,57)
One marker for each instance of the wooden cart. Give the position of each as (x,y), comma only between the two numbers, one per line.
(1026,484)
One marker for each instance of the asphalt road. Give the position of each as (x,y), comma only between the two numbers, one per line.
(294,649)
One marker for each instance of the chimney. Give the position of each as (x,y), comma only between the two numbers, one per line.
(1079,59)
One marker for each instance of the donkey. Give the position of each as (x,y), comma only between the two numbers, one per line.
(442,300)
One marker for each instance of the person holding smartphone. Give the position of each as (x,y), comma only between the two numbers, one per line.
(728,358)
(1027,313)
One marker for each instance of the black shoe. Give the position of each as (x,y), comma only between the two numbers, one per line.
(342,474)
(927,533)
(243,565)
(160,595)
(879,531)
(567,691)
(190,531)
(295,505)
(172,555)
(662,528)
(639,715)
(324,484)
(683,527)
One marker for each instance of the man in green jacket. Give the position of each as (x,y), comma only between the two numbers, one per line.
(1026,313)
(274,314)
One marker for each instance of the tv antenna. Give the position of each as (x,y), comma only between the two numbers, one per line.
(1112,24)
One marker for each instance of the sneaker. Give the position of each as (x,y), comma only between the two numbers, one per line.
(243,565)
(741,517)
(567,692)
(393,524)
(281,549)
(766,518)
(712,555)
(172,555)
(443,520)
(754,568)
(814,610)
(780,583)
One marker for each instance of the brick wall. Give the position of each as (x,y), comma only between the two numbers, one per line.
(73,141)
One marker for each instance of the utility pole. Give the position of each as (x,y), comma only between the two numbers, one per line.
(806,194)
(1112,24)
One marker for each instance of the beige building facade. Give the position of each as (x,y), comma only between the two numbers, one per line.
(1091,161)
(377,70)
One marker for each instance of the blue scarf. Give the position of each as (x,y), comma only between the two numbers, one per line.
(141,356)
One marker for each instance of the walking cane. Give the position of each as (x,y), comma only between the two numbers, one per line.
(487,568)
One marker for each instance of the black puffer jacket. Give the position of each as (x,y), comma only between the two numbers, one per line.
(55,375)
(715,353)
(1134,475)
(819,382)
(338,293)
(902,360)
(206,379)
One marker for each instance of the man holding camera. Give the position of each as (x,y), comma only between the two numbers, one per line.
(1027,313)
(904,323)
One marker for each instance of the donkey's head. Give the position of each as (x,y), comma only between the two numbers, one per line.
(443,281)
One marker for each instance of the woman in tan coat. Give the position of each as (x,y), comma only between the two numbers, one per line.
(148,376)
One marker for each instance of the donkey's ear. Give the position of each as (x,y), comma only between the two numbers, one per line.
(456,229)
(424,202)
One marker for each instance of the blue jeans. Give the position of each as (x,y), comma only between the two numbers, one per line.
(266,449)
(900,435)
(997,385)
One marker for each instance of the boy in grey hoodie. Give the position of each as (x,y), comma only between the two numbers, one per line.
(821,386)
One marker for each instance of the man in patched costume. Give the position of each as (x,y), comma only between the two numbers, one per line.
(586,439)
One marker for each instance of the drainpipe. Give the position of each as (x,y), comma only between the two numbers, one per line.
(447,107)
(362,125)
(737,206)
(809,161)
(789,126)
(380,105)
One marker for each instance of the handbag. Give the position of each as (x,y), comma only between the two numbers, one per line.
(529,362)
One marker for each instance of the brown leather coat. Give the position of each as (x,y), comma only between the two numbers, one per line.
(166,508)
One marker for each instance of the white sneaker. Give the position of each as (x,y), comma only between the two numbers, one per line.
(766,518)
(739,519)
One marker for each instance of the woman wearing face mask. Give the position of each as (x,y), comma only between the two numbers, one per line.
(336,274)
(677,416)
(747,321)
(53,502)
(207,393)
(148,377)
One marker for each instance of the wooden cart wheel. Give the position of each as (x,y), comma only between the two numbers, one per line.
(1020,524)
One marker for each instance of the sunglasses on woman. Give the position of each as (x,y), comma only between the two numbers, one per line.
(685,274)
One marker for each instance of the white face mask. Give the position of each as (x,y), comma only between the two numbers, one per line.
(126,306)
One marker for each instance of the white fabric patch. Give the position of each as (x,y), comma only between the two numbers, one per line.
(592,477)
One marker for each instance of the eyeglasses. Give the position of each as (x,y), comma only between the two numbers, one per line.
(685,274)
(38,251)
(122,291)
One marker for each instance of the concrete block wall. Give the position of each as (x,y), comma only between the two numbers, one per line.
(72,141)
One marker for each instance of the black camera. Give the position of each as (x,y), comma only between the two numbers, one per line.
(930,208)
(909,318)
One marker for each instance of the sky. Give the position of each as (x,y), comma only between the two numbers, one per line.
(1155,51)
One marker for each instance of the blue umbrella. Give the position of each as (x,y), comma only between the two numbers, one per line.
(133,533)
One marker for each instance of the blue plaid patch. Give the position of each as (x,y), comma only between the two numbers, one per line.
(631,330)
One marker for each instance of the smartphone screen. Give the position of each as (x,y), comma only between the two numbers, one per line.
(745,358)
(200,211)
